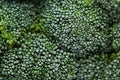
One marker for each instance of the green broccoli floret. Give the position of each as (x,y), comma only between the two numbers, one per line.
(116,40)
(78,27)
(15,18)
(37,59)
(110,7)
(18,15)
(59,39)
(99,67)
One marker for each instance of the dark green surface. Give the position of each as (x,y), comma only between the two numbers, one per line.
(60,40)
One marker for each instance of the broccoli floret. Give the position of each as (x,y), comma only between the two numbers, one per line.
(112,70)
(78,27)
(3,46)
(18,15)
(99,67)
(116,37)
(110,7)
(59,39)
(38,59)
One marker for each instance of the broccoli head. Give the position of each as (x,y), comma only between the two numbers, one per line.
(59,39)
(78,27)
(99,67)
(37,59)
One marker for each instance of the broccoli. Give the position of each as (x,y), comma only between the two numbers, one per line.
(116,40)
(78,27)
(99,67)
(17,15)
(37,58)
(59,39)
(110,7)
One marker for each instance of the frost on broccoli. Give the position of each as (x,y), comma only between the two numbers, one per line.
(37,59)
(77,26)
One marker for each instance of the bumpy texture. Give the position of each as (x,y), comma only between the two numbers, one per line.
(59,39)
(99,67)
(110,6)
(77,26)
(38,59)
(18,15)
(116,32)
